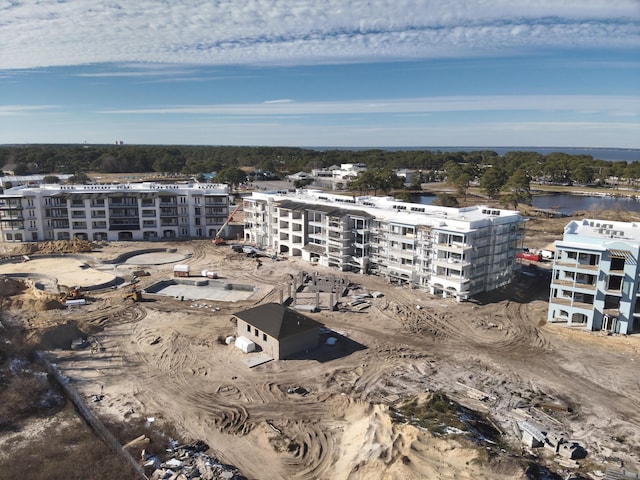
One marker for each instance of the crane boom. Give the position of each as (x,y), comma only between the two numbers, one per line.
(217,239)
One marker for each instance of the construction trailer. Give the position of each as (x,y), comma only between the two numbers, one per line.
(181,270)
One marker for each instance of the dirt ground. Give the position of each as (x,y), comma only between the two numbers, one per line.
(164,358)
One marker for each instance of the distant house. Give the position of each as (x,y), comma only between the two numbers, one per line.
(300,176)
(405,174)
(280,331)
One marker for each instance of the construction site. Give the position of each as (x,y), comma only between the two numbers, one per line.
(402,385)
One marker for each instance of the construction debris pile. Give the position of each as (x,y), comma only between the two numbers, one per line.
(189,462)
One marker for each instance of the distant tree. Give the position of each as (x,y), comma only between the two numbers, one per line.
(51,179)
(8,184)
(583,174)
(79,178)
(168,164)
(303,182)
(518,188)
(492,182)
(462,185)
(231,175)
(200,178)
(416,182)
(21,169)
(453,171)
(387,180)
(445,200)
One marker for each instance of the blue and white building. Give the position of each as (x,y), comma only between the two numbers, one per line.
(594,283)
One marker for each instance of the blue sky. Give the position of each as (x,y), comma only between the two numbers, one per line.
(321,73)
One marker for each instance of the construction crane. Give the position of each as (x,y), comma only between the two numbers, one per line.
(218,240)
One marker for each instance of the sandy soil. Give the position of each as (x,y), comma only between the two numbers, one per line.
(163,358)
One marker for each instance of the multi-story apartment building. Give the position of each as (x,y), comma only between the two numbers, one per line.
(595,276)
(137,211)
(455,252)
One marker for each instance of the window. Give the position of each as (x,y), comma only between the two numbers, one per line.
(256,332)
(264,337)
(617,263)
(248,328)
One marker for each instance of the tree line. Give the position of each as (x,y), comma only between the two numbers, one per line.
(507,176)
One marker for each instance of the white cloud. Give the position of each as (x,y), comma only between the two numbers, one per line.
(40,33)
(575,103)
(16,110)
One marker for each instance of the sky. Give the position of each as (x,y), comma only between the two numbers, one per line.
(321,73)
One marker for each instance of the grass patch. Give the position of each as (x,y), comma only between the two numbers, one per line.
(441,415)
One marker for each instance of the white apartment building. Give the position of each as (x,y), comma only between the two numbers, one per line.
(594,284)
(137,211)
(455,252)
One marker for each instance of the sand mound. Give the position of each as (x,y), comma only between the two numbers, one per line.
(28,303)
(57,246)
(10,287)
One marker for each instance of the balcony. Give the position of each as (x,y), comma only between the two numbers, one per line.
(452,247)
(11,216)
(576,265)
(451,262)
(124,226)
(570,303)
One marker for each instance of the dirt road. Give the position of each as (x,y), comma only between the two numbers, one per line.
(165,359)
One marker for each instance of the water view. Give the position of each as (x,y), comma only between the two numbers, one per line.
(567,204)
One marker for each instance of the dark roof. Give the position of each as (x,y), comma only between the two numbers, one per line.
(277,320)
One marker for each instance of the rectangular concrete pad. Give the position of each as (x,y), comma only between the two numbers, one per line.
(255,359)
(191,292)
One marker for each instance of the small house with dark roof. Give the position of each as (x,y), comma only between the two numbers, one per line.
(280,331)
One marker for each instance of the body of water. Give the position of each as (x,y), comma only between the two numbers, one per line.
(608,154)
(566,204)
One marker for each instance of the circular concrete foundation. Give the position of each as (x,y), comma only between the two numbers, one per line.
(66,270)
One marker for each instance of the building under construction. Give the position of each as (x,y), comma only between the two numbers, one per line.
(454,252)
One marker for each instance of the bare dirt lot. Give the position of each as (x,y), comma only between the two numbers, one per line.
(165,358)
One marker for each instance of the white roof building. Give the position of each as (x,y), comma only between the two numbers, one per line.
(451,251)
(137,211)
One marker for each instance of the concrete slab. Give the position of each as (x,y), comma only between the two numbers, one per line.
(202,292)
(67,270)
(155,258)
(255,359)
